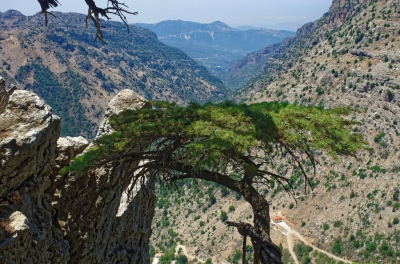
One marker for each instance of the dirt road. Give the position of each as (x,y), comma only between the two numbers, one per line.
(288,232)
(190,257)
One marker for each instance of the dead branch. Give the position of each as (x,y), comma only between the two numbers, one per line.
(114,7)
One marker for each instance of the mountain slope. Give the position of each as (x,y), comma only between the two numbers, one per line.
(350,57)
(214,45)
(77,76)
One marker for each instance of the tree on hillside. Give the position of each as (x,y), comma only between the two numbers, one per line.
(232,145)
(114,7)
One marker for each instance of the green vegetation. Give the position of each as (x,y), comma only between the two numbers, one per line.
(254,125)
(223,216)
(174,139)
(302,252)
(138,61)
(64,99)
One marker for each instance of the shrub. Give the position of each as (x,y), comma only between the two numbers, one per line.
(225,191)
(325,226)
(371,246)
(238,196)
(337,247)
(182,259)
(224,216)
(395,221)
(359,37)
(319,91)
(231,208)
(291,206)
(213,200)
(379,137)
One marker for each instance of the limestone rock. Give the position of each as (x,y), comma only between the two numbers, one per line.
(49,218)
(28,136)
(126,99)
(68,148)
(88,205)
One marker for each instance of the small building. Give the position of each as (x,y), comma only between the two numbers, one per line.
(158,255)
(278,219)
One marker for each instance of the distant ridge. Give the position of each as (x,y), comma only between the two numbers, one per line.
(77,76)
(215,45)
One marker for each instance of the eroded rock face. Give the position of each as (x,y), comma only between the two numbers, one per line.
(28,136)
(126,99)
(88,205)
(49,218)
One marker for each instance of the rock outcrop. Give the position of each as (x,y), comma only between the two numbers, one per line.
(49,218)
(28,136)
(99,228)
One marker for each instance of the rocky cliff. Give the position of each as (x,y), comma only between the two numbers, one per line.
(98,217)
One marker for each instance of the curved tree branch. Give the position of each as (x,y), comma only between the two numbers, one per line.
(114,7)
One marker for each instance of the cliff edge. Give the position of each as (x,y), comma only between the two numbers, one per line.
(97,217)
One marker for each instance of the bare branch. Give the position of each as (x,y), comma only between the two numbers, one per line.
(114,7)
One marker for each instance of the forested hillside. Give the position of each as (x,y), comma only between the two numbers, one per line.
(78,76)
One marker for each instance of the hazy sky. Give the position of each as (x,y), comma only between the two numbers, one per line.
(276,14)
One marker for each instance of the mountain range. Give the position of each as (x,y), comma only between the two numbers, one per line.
(78,76)
(215,45)
(348,58)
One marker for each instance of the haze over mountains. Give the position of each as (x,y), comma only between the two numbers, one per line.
(348,58)
(78,76)
(215,45)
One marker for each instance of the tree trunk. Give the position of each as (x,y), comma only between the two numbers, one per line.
(259,205)
(261,216)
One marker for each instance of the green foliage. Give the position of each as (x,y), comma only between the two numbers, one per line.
(212,198)
(337,247)
(167,257)
(181,259)
(224,131)
(302,252)
(223,216)
(208,261)
(64,99)
(337,223)
(237,256)
(379,137)
(359,37)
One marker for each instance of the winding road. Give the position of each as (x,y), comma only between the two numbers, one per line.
(190,258)
(289,232)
